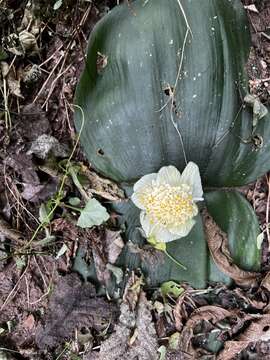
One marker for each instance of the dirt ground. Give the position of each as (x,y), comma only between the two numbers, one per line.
(46,311)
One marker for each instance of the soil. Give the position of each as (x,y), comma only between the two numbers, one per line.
(35,322)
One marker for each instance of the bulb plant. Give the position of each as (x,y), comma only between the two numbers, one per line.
(163,94)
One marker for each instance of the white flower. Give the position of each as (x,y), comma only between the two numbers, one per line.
(168,202)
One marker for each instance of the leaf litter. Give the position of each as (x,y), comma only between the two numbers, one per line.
(215,323)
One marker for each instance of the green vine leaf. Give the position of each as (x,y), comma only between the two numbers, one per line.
(93,214)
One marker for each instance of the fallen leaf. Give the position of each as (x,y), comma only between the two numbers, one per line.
(33,122)
(106,246)
(259,330)
(46,144)
(134,336)
(8,76)
(114,245)
(105,188)
(73,305)
(219,249)
(33,190)
(28,42)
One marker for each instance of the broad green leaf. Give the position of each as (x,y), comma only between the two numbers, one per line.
(190,251)
(133,60)
(235,216)
(93,214)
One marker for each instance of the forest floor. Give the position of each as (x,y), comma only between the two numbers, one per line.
(46,311)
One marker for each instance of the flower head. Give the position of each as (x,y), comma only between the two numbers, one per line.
(168,202)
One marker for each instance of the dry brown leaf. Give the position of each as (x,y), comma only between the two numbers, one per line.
(259,330)
(179,311)
(266,282)
(134,336)
(103,187)
(73,305)
(106,246)
(213,315)
(13,83)
(205,313)
(219,249)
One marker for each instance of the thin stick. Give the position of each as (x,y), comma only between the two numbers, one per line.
(15,287)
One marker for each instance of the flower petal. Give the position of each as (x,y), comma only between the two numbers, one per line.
(145,182)
(169,175)
(191,176)
(135,197)
(158,232)
(146,224)
(163,235)
(184,229)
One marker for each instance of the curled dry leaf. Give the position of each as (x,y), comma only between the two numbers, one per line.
(134,336)
(219,249)
(259,330)
(205,313)
(106,247)
(212,315)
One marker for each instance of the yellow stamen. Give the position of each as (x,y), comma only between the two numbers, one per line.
(169,205)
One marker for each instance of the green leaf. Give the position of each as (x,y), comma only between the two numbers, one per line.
(44,212)
(235,216)
(128,130)
(93,214)
(190,251)
(171,288)
(74,201)
(232,213)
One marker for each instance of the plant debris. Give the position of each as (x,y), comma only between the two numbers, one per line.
(134,336)
(73,305)
(218,246)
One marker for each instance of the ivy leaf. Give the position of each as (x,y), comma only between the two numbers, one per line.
(93,214)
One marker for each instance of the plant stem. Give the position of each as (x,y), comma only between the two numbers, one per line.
(174,260)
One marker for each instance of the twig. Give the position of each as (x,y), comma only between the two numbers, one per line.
(10,233)
(14,288)
(48,78)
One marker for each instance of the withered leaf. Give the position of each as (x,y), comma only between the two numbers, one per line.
(46,144)
(259,330)
(134,336)
(219,249)
(73,305)
(102,187)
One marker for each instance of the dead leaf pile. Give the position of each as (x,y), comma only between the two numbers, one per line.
(237,321)
(33,189)
(73,305)
(134,336)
